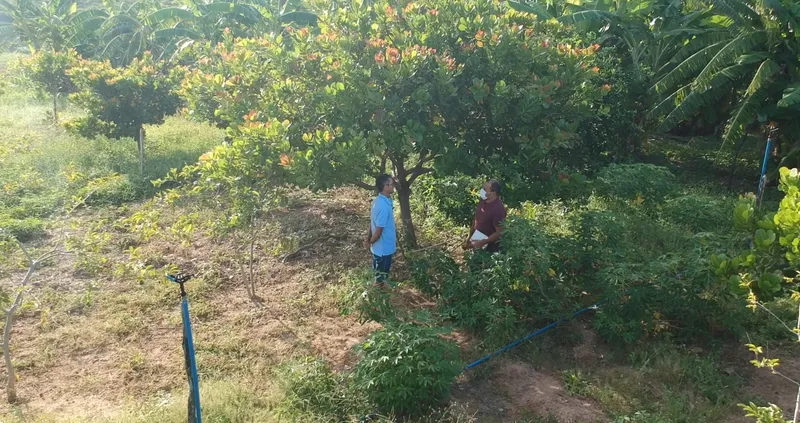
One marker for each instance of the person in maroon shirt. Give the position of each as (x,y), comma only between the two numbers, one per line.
(489,217)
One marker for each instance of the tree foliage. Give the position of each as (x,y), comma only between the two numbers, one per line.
(401,92)
(119,101)
(754,56)
(48,70)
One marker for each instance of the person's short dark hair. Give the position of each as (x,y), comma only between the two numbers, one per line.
(495,185)
(381,181)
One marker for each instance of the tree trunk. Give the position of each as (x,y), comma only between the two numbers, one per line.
(251,280)
(11,381)
(141,150)
(404,196)
(55,104)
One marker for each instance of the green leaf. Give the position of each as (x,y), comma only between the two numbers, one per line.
(740,45)
(699,99)
(587,15)
(168,15)
(534,8)
(770,283)
(767,69)
(742,214)
(738,11)
(791,96)
(688,67)
(736,286)
(744,116)
(764,238)
(752,58)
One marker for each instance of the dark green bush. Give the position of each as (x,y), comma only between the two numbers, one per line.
(24,229)
(454,196)
(366,300)
(556,258)
(613,136)
(430,269)
(640,182)
(533,279)
(313,392)
(699,212)
(114,189)
(405,368)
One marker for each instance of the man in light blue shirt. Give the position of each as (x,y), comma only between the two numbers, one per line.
(382,236)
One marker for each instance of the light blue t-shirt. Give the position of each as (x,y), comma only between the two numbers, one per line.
(382,216)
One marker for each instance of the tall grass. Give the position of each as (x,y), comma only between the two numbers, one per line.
(43,168)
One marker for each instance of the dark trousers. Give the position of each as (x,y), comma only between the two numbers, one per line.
(381,265)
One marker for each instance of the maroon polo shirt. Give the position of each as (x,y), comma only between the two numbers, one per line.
(487,217)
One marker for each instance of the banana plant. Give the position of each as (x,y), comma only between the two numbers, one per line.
(137,28)
(755,59)
(247,18)
(40,24)
(650,32)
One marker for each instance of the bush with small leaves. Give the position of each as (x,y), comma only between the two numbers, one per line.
(313,392)
(405,368)
(769,414)
(638,182)
(119,101)
(365,299)
(49,72)
(699,212)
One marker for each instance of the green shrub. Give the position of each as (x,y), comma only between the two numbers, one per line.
(454,196)
(768,414)
(120,101)
(405,368)
(641,182)
(112,189)
(48,70)
(611,136)
(656,277)
(313,392)
(699,212)
(24,229)
(365,299)
(430,269)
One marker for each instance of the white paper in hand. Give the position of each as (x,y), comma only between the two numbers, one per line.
(478,236)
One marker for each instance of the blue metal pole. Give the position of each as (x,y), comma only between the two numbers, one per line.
(193,379)
(194,415)
(764,166)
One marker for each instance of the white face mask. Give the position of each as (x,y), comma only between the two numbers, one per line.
(483,194)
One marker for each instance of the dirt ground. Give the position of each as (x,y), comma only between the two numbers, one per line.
(88,355)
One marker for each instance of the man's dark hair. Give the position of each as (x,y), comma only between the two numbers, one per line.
(381,182)
(496,188)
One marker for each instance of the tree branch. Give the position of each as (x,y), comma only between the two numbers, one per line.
(27,255)
(425,158)
(366,186)
(417,172)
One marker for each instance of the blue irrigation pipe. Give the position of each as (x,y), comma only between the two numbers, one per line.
(194,413)
(531,335)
